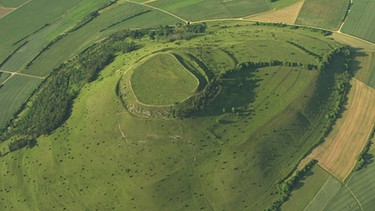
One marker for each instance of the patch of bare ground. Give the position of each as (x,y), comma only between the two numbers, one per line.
(5,11)
(350,134)
(286,15)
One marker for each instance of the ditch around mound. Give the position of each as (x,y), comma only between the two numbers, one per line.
(161,86)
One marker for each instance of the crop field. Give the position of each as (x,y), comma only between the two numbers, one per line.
(287,15)
(163,80)
(3,77)
(360,20)
(366,60)
(121,16)
(339,151)
(12,3)
(30,25)
(14,93)
(203,9)
(321,13)
(307,189)
(229,155)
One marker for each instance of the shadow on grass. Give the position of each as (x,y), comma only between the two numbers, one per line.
(238,91)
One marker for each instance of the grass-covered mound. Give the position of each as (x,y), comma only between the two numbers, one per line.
(162,80)
(274,98)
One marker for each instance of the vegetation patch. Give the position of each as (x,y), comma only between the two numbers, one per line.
(205,10)
(163,80)
(360,20)
(324,14)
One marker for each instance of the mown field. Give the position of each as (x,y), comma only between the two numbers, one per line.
(323,14)
(338,154)
(366,74)
(203,10)
(360,20)
(12,3)
(3,77)
(14,93)
(230,155)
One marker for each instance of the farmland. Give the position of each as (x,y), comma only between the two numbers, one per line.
(360,20)
(324,14)
(182,105)
(203,9)
(339,149)
(10,103)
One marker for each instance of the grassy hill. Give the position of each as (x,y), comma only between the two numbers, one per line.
(229,154)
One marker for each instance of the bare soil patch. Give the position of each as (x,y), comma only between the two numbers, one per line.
(286,15)
(350,134)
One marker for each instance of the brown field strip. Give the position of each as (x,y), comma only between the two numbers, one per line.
(350,134)
(286,15)
(5,11)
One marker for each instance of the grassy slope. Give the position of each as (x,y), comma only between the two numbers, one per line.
(162,80)
(321,13)
(361,19)
(14,93)
(216,160)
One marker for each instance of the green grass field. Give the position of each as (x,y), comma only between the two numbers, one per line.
(360,20)
(14,93)
(307,190)
(124,14)
(12,3)
(163,80)
(17,26)
(228,156)
(324,14)
(3,77)
(204,10)
(366,62)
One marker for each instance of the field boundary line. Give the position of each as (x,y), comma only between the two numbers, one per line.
(159,9)
(353,195)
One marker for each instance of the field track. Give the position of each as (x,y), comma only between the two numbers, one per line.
(339,152)
(20,74)
(286,15)
(5,11)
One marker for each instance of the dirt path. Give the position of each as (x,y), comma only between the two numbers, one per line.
(339,151)
(286,15)
(4,11)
